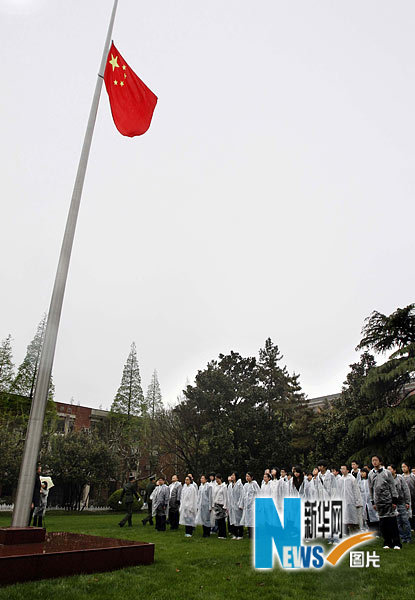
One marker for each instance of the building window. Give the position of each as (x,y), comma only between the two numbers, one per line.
(60,427)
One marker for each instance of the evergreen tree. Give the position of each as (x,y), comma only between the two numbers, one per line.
(382,333)
(390,425)
(238,415)
(129,399)
(6,364)
(153,398)
(332,439)
(282,391)
(25,381)
(385,333)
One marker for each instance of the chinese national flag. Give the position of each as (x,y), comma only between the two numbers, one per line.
(132,102)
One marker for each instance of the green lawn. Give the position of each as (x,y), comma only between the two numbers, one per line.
(212,569)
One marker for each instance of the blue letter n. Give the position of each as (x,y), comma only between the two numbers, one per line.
(268,529)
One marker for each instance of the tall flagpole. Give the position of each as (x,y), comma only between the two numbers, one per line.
(37,412)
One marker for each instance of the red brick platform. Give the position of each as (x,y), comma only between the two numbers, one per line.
(21,535)
(61,554)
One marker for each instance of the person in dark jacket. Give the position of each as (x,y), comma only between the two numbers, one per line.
(149,490)
(403,506)
(128,491)
(36,493)
(410,480)
(384,498)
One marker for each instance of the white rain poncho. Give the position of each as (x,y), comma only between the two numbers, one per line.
(279,491)
(160,498)
(219,494)
(349,493)
(292,490)
(235,493)
(356,475)
(188,505)
(204,505)
(219,499)
(41,509)
(368,510)
(251,491)
(266,489)
(410,481)
(175,491)
(326,486)
(383,492)
(310,491)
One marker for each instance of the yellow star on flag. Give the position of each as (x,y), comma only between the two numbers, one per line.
(114,62)
(115,82)
(124,67)
(121,83)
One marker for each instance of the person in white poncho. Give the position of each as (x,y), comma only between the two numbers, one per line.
(175,490)
(275,490)
(326,489)
(251,491)
(279,490)
(336,474)
(188,506)
(275,473)
(355,471)
(349,492)
(296,485)
(219,501)
(266,487)
(204,506)
(235,492)
(160,506)
(370,516)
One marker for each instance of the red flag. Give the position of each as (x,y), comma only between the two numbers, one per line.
(132,102)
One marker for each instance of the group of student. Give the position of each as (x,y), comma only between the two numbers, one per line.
(374,497)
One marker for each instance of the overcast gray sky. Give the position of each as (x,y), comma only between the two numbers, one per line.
(271,197)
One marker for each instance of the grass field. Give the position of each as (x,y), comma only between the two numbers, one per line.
(197,568)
